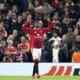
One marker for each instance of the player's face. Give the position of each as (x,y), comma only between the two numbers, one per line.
(36,25)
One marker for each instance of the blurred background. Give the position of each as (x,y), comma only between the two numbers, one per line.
(66,13)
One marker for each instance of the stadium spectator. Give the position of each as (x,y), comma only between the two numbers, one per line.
(70,34)
(3,32)
(10,37)
(2,46)
(70,38)
(58,55)
(13,24)
(24,16)
(1,4)
(64,44)
(7,21)
(24,48)
(76,57)
(24,5)
(64,25)
(78,24)
(46,55)
(77,41)
(16,37)
(55,4)
(71,52)
(19,24)
(55,37)
(15,9)
(10,52)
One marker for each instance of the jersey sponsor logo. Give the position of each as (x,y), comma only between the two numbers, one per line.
(37,36)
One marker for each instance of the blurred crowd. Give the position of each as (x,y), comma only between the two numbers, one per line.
(62,41)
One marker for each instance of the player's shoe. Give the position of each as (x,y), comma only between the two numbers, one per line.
(38,76)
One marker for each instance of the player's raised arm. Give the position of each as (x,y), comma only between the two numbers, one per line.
(26,24)
(50,25)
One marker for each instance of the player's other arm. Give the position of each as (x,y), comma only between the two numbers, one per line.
(50,25)
(26,24)
(25,27)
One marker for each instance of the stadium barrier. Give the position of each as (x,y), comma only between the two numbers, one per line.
(26,69)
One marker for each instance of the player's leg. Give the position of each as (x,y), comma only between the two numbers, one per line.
(34,54)
(35,68)
(36,61)
(39,54)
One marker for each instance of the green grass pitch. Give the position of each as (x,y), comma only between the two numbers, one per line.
(41,78)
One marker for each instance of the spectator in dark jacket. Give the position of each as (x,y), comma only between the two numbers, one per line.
(65,24)
(2,46)
(46,53)
(64,44)
(74,49)
(63,56)
(24,5)
(13,24)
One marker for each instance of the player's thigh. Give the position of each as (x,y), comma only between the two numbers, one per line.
(35,53)
(39,52)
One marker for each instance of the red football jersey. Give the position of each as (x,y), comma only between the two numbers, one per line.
(10,50)
(36,34)
(24,47)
